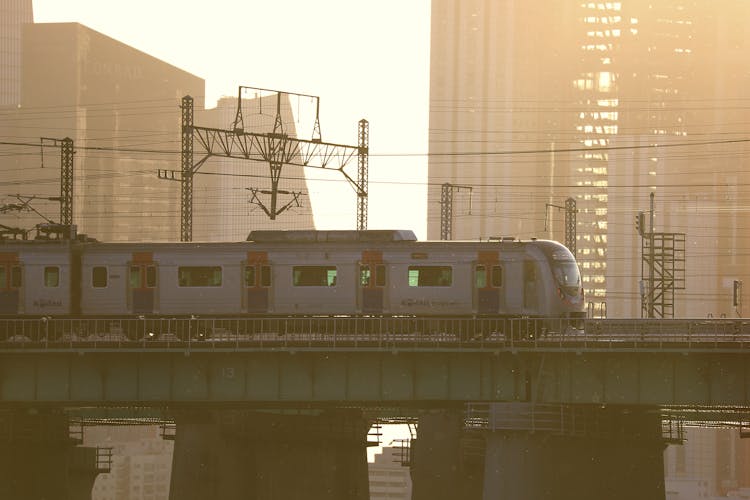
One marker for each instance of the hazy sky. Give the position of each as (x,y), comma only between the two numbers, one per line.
(363,58)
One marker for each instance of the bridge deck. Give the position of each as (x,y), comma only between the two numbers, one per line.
(405,363)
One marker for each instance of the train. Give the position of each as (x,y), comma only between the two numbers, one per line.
(315,273)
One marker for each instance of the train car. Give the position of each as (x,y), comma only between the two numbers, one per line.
(38,278)
(294,273)
(390,273)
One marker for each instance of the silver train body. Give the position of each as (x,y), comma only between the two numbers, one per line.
(283,273)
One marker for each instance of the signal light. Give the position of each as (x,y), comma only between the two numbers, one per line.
(640,223)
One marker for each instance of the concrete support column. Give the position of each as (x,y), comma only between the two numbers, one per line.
(588,453)
(446,462)
(39,460)
(254,455)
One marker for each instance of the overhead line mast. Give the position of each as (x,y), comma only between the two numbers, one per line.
(276,148)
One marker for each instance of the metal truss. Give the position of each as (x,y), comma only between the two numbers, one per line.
(275,148)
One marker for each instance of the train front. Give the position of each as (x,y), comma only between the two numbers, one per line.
(568,301)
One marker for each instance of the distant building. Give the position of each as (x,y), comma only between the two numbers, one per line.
(389,480)
(141,463)
(13,15)
(711,463)
(121,108)
(535,102)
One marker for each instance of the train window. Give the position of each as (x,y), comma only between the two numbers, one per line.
(135,277)
(314,276)
(430,276)
(364,275)
(51,276)
(3,277)
(199,276)
(99,277)
(380,275)
(480,277)
(15,277)
(249,276)
(265,275)
(151,277)
(497,276)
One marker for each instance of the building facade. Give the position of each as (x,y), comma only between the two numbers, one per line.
(13,15)
(121,109)
(389,478)
(605,103)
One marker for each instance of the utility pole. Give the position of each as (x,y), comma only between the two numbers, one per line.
(363,153)
(66,176)
(446,209)
(188,169)
(570,222)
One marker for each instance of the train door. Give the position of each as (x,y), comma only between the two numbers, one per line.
(143,283)
(488,281)
(11,281)
(371,282)
(530,296)
(257,282)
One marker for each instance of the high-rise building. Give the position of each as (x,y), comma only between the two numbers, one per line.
(13,15)
(141,462)
(389,478)
(121,109)
(712,462)
(532,103)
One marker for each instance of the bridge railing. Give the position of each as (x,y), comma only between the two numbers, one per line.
(368,332)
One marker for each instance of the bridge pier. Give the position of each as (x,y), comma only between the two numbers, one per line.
(40,461)
(526,451)
(445,461)
(560,452)
(236,455)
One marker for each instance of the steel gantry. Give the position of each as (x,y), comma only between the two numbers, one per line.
(276,148)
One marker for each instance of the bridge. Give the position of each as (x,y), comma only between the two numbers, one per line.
(402,361)
(200,370)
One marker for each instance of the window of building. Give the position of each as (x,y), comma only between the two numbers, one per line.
(430,276)
(189,276)
(51,276)
(99,277)
(314,276)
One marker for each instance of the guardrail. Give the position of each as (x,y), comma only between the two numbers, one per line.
(369,332)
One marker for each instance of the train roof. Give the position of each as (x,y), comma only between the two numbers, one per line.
(332,236)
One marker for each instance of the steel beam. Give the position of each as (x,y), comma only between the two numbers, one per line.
(396,376)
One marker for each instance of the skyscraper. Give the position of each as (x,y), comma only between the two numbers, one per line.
(532,103)
(13,15)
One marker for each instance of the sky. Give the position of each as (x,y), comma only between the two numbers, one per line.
(362,58)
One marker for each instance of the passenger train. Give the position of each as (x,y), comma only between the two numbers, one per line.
(374,273)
